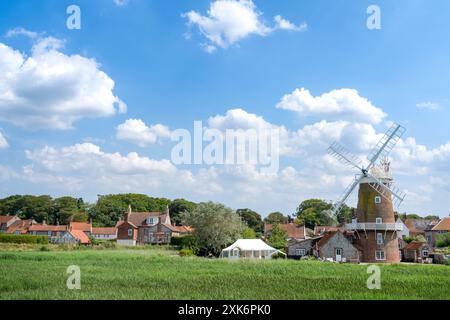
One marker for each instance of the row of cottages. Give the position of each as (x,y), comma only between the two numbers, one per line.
(140,228)
(74,233)
(333,245)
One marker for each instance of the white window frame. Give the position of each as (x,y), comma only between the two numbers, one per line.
(380,239)
(300,252)
(379,258)
(377,199)
(423,253)
(378,220)
(130,232)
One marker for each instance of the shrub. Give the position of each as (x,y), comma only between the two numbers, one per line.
(44,248)
(13,238)
(185,242)
(186,252)
(443,240)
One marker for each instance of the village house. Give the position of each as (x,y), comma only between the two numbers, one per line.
(298,248)
(416,251)
(432,233)
(417,227)
(138,228)
(336,246)
(293,231)
(405,230)
(6,222)
(104,233)
(20,226)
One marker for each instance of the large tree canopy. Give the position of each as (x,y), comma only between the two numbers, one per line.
(110,208)
(315,212)
(276,217)
(177,207)
(215,226)
(252,219)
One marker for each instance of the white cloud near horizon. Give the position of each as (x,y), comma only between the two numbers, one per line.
(341,104)
(121,3)
(136,131)
(52,90)
(229,21)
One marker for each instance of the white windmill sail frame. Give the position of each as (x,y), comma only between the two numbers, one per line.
(382,149)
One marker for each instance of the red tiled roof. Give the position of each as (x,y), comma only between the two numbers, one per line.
(414,245)
(323,229)
(5,219)
(137,219)
(80,236)
(40,227)
(293,230)
(20,225)
(443,225)
(104,230)
(83,226)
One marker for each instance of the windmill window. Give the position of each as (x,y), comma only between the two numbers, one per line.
(380,238)
(379,255)
(377,199)
(378,220)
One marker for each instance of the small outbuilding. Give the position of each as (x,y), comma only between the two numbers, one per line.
(250,249)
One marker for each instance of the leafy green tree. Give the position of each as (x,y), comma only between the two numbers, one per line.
(277,237)
(215,226)
(64,208)
(80,217)
(177,207)
(276,217)
(315,212)
(110,208)
(252,219)
(432,217)
(249,233)
(37,208)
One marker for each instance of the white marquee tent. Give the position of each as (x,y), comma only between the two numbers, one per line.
(249,248)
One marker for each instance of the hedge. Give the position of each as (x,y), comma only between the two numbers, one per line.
(185,242)
(14,238)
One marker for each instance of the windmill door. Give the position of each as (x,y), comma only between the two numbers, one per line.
(338,254)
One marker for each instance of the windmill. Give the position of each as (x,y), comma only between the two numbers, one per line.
(374,225)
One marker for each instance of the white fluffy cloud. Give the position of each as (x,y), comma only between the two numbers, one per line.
(3,143)
(341,104)
(229,21)
(136,131)
(50,89)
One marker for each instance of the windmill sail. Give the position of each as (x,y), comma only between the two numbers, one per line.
(344,156)
(386,144)
(338,204)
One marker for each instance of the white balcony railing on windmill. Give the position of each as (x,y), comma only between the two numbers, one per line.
(374,226)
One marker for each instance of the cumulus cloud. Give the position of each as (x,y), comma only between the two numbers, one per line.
(229,21)
(136,131)
(88,157)
(341,104)
(284,24)
(50,89)
(3,143)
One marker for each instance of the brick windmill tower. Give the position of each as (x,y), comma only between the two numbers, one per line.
(375,228)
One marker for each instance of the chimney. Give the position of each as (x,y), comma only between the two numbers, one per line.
(90,221)
(57,222)
(44,223)
(168,220)
(127,214)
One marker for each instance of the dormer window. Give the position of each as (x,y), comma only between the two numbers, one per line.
(377,199)
(152,220)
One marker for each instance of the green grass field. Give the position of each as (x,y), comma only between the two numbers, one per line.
(162,274)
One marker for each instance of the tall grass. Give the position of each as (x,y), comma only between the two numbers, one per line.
(161,274)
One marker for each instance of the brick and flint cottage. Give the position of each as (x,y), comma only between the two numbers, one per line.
(138,228)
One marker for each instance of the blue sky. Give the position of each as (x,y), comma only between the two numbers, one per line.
(164,75)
